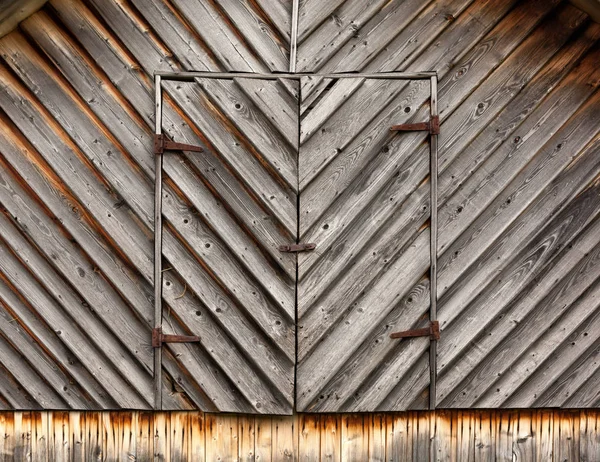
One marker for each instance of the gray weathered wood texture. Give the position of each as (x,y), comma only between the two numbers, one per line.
(518,207)
(518,225)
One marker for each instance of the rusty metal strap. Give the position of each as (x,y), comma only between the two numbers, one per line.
(162,144)
(297,247)
(433,332)
(433,126)
(158,338)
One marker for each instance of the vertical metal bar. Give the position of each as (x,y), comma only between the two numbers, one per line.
(433,169)
(158,245)
(294,35)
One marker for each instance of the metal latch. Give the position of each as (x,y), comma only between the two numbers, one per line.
(433,126)
(433,332)
(158,338)
(297,247)
(162,144)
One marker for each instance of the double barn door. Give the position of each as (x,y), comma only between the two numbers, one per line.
(295,242)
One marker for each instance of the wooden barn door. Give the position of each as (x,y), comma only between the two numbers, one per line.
(226,210)
(365,203)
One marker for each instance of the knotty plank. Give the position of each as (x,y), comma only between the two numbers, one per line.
(144,437)
(485,436)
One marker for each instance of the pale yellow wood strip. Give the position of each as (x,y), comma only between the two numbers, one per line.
(543,436)
(77,435)
(222,438)
(331,437)
(309,438)
(263,439)
(179,436)
(144,435)
(282,434)
(162,436)
(197,436)
(246,438)
(441,441)
(355,438)
(485,437)
(377,433)
(39,436)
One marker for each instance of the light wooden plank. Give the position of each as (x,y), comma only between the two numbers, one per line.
(331,437)
(246,428)
(144,436)
(589,434)
(39,437)
(485,436)
(263,441)
(161,427)
(504,436)
(543,436)
(8,439)
(523,437)
(59,437)
(221,437)
(77,436)
(355,438)
(309,434)
(283,435)
(197,436)
(94,436)
(377,436)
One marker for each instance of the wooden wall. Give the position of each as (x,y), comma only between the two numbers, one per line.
(519,228)
(542,435)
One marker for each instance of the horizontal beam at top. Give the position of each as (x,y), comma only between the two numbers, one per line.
(190,76)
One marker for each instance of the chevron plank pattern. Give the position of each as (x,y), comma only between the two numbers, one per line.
(518,199)
(77,181)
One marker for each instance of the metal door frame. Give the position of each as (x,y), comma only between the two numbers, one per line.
(158,166)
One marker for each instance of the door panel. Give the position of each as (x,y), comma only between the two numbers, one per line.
(364,202)
(226,211)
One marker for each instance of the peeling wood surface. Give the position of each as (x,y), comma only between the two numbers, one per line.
(476,436)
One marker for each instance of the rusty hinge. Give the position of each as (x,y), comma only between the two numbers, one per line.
(162,144)
(158,338)
(297,247)
(433,331)
(433,126)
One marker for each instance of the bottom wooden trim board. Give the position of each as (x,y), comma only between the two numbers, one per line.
(524,435)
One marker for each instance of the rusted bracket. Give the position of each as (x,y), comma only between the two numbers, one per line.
(433,126)
(162,144)
(158,338)
(433,332)
(297,247)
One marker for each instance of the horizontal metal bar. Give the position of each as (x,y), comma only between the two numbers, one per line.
(190,76)
(297,247)
(433,331)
